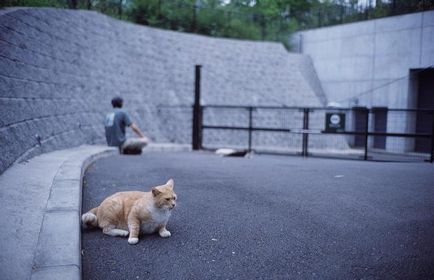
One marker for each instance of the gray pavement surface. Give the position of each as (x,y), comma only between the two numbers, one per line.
(269,217)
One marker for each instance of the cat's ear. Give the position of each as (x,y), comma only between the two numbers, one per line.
(155,191)
(170,183)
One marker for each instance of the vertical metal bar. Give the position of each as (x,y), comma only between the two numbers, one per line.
(197,112)
(366,133)
(250,128)
(305,143)
(432,138)
(194,21)
(307,133)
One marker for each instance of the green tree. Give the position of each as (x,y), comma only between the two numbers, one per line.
(271,20)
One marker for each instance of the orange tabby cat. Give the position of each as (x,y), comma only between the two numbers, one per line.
(126,213)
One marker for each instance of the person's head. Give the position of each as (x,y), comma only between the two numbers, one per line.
(117,102)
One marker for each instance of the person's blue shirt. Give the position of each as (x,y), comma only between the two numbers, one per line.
(115,123)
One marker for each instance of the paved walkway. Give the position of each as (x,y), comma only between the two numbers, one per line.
(41,200)
(41,204)
(387,206)
(269,217)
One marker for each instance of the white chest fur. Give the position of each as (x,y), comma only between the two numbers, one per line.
(158,218)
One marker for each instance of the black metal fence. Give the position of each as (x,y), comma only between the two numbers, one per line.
(360,133)
(340,12)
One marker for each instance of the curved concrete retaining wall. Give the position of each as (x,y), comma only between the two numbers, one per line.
(59,70)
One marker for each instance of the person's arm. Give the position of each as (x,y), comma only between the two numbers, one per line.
(137,130)
(128,122)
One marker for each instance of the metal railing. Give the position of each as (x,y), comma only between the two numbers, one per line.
(359,132)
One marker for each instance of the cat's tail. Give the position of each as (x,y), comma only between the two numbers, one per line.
(89,219)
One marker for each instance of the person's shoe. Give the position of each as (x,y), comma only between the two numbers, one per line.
(132,151)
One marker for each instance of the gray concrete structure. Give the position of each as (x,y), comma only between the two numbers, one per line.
(374,63)
(368,63)
(59,70)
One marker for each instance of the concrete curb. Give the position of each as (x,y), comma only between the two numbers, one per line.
(58,252)
(167,147)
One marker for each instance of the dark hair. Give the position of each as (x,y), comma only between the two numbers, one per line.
(117,102)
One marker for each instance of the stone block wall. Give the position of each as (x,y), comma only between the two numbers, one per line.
(60,68)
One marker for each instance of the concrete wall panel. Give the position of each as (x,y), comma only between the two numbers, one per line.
(380,51)
(399,23)
(427,52)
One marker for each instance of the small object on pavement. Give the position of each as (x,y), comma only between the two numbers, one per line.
(231,152)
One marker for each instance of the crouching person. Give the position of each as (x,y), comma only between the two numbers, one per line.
(115,124)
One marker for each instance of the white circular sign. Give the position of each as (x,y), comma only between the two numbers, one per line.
(335,119)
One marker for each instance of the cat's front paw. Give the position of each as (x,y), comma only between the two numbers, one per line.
(165,233)
(133,240)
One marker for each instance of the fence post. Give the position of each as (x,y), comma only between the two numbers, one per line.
(432,139)
(305,144)
(250,128)
(197,112)
(366,133)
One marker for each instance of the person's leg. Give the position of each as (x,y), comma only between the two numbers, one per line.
(134,145)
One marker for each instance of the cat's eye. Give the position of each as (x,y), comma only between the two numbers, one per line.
(167,199)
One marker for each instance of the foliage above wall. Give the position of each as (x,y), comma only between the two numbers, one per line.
(271,20)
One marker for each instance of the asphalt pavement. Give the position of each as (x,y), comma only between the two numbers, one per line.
(269,217)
